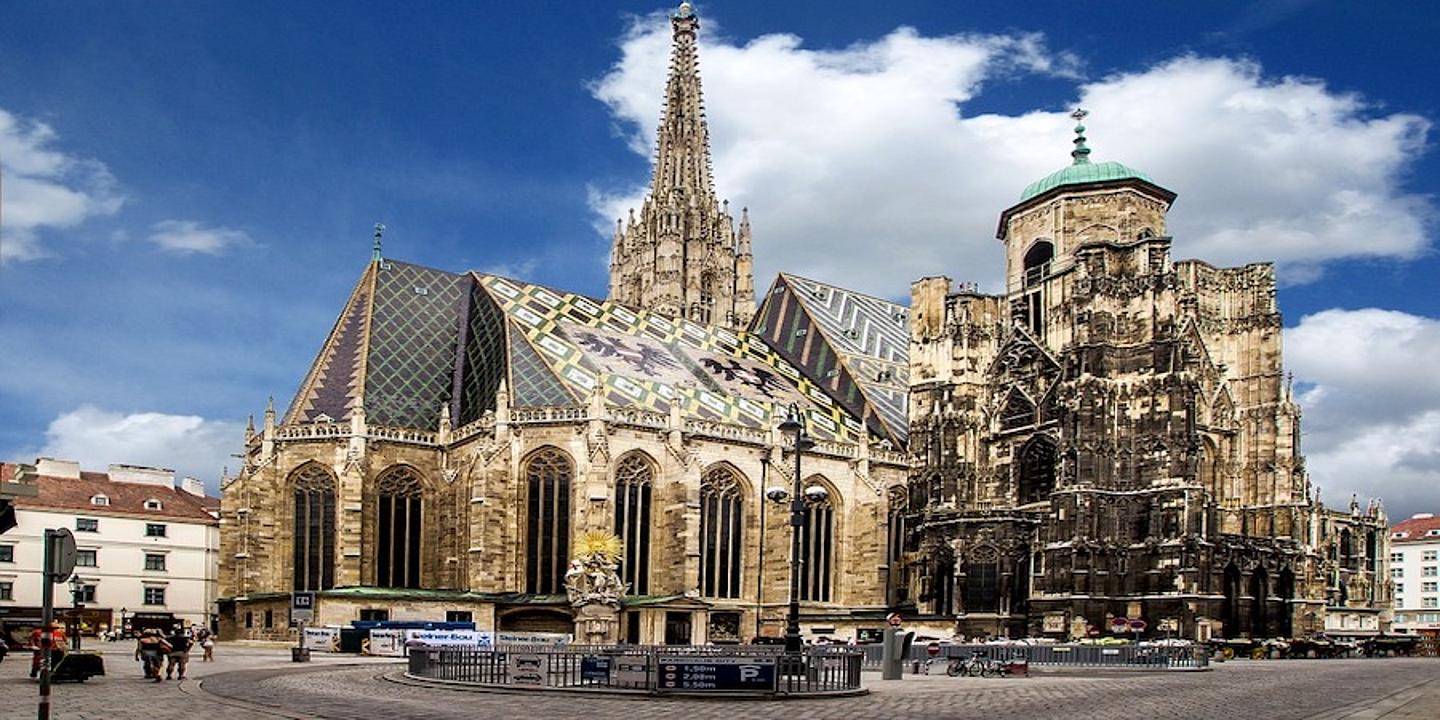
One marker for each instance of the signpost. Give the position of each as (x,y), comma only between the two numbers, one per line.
(59,563)
(302,610)
(692,673)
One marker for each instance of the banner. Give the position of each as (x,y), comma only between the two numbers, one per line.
(385,643)
(533,638)
(468,639)
(323,639)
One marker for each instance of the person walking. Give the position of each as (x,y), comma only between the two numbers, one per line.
(57,642)
(180,642)
(151,650)
(207,644)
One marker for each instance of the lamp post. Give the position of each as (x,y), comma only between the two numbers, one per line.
(76,587)
(793,428)
(124,623)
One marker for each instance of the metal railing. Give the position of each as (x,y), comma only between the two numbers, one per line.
(1071,655)
(742,669)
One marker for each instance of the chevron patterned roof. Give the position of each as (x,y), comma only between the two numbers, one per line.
(856,346)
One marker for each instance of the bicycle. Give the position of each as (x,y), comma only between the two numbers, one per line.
(976,665)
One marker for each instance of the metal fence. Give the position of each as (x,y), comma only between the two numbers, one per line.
(1160,657)
(743,669)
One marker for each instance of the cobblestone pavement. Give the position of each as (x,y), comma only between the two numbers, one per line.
(261,683)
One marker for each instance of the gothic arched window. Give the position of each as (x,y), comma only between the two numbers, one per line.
(634,476)
(817,545)
(398,528)
(1037,470)
(314,537)
(548,474)
(721,503)
(982,580)
(1018,412)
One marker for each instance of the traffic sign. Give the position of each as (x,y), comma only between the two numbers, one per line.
(302,606)
(932,649)
(1137,625)
(894,619)
(694,672)
(1118,624)
(60,561)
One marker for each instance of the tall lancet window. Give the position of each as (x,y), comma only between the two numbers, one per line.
(817,544)
(548,475)
(399,527)
(314,528)
(721,523)
(634,476)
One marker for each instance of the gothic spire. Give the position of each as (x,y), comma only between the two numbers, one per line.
(682,163)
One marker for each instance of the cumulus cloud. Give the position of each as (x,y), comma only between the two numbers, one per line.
(187,237)
(1372,405)
(42,188)
(189,444)
(844,155)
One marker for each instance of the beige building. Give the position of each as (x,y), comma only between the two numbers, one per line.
(460,432)
(147,548)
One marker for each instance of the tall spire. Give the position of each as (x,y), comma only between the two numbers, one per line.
(680,256)
(1081,153)
(379,232)
(682,161)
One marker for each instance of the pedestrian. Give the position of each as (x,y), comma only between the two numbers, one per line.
(151,650)
(180,642)
(208,646)
(57,642)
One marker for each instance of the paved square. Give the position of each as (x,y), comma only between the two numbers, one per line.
(252,682)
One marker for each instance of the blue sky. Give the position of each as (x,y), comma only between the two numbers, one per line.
(189,187)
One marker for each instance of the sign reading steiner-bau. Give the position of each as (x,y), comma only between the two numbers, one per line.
(699,673)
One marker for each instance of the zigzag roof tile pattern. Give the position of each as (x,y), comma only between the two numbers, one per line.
(856,346)
(413,339)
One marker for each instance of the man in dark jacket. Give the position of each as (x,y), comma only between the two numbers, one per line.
(180,642)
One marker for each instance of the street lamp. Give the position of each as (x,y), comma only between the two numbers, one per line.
(793,428)
(77,586)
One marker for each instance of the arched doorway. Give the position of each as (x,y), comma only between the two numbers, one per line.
(1231,610)
(1285,588)
(1260,603)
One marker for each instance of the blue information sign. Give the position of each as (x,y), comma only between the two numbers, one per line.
(595,669)
(693,673)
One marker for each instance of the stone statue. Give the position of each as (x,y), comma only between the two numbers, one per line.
(593,577)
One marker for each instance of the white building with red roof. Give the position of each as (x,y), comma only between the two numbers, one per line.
(1415,570)
(148,548)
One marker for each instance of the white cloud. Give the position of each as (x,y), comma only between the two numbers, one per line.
(189,444)
(185,237)
(1372,405)
(845,155)
(42,188)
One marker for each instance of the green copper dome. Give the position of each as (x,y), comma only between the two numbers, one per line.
(1083,173)
(1081,170)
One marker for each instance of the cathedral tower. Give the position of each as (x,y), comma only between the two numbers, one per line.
(682,255)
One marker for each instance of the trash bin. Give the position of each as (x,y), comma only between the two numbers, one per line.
(299,654)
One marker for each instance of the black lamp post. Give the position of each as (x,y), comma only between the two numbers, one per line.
(800,441)
(77,586)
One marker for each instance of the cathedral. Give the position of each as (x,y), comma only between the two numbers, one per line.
(1111,437)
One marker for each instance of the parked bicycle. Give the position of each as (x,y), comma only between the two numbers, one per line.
(977,665)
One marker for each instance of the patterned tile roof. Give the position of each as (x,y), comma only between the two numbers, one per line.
(854,345)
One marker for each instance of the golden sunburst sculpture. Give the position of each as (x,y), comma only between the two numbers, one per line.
(598,542)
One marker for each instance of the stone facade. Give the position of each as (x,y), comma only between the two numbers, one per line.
(1114,437)
(682,254)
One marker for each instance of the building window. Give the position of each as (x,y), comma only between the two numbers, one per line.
(633,478)
(152,505)
(99,500)
(314,524)
(1396,557)
(548,475)
(1429,602)
(7,553)
(375,614)
(1037,470)
(399,524)
(154,561)
(1399,588)
(1428,587)
(7,590)
(86,558)
(459,616)
(1429,555)
(720,525)
(87,525)
(1428,571)
(154,530)
(154,596)
(1397,572)
(817,547)
(269,619)
(249,619)
(982,580)
(86,596)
